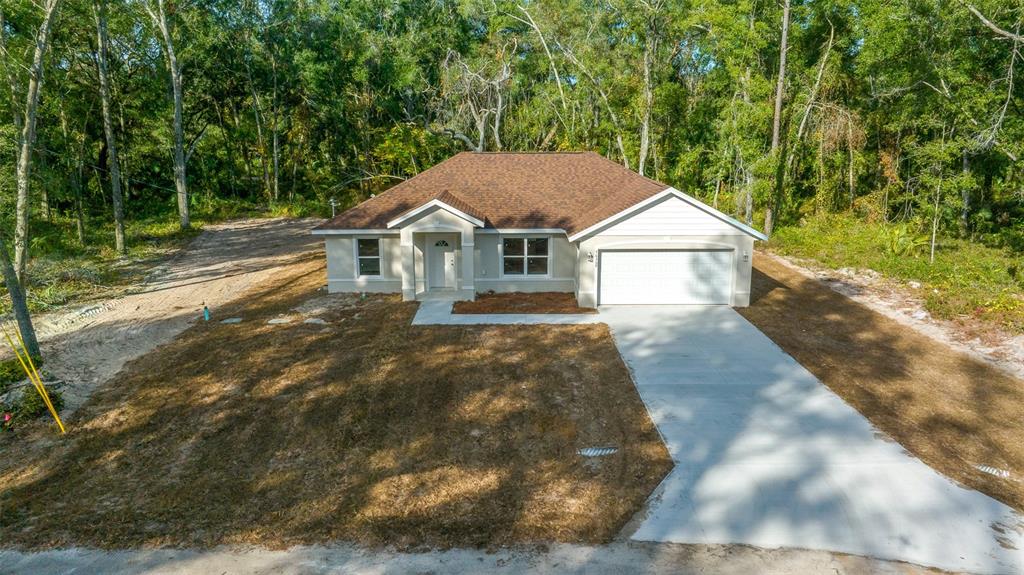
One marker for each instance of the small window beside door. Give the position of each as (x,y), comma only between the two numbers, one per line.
(368,257)
(525,256)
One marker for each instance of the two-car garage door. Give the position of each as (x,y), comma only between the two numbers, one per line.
(665,277)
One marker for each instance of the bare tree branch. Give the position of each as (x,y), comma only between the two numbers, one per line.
(992,26)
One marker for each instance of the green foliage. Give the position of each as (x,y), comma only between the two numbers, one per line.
(30,404)
(12,372)
(902,240)
(967,279)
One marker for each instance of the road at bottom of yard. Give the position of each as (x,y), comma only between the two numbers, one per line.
(613,559)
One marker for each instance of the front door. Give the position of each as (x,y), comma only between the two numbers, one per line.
(441,263)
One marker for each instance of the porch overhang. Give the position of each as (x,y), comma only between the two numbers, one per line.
(416,213)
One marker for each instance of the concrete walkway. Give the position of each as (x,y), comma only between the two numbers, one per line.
(439,312)
(768,456)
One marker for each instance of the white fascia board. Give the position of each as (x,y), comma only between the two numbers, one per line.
(639,206)
(435,204)
(351,232)
(510,231)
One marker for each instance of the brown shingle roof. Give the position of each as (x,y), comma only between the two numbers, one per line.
(565,190)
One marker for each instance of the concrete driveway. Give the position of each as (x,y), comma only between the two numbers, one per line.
(767,456)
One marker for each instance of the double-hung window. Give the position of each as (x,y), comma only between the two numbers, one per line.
(368,257)
(525,256)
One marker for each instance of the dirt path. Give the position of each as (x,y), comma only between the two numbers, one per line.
(89,345)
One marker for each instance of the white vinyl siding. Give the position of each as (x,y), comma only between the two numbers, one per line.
(672,216)
(665,277)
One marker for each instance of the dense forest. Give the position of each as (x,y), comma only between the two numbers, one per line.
(904,115)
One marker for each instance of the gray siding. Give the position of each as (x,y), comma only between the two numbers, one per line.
(341,266)
(489,266)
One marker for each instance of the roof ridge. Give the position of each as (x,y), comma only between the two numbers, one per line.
(524,153)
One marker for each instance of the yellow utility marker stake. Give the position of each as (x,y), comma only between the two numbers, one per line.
(32,373)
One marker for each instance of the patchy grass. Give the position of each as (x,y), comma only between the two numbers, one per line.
(364,429)
(950,410)
(967,280)
(540,302)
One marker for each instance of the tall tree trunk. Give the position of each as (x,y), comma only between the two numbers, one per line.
(122,160)
(79,183)
(28,137)
(228,148)
(275,110)
(100,14)
(645,122)
(780,92)
(159,17)
(965,195)
(18,302)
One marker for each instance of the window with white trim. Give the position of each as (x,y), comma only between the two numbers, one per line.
(525,256)
(368,257)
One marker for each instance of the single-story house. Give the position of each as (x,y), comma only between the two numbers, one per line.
(530,222)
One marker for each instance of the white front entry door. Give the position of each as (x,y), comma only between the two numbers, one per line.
(665,277)
(441,263)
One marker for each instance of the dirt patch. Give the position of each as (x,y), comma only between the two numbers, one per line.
(361,429)
(904,303)
(951,410)
(517,302)
(86,346)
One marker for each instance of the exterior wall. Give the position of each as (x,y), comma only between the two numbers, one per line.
(670,224)
(488,265)
(671,217)
(341,265)
(742,246)
(414,241)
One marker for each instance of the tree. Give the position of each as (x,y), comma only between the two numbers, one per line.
(26,120)
(158,15)
(780,90)
(100,15)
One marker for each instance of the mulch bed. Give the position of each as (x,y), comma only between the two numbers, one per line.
(364,429)
(518,302)
(947,408)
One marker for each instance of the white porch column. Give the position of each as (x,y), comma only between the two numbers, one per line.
(408,266)
(468,288)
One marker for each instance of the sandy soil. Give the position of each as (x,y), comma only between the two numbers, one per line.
(614,559)
(899,302)
(87,346)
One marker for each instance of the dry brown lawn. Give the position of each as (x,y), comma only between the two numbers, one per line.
(952,411)
(366,430)
(540,302)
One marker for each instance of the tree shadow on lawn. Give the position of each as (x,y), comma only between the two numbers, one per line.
(366,430)
(950,410)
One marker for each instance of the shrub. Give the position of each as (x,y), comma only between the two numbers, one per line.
(11,371)
(902,241)
(30,404)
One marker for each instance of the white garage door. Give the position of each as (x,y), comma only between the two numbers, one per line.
(665,277)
